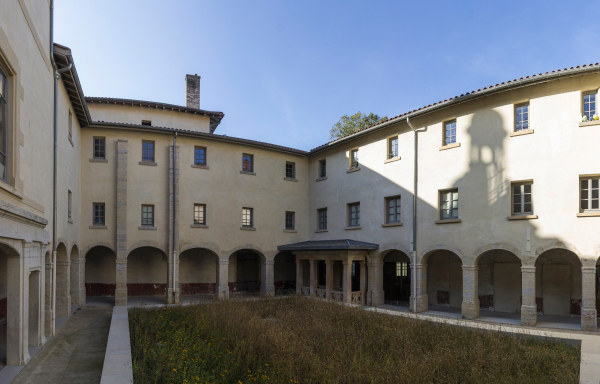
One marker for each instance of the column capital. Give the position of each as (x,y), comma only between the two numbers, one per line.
(269,262)
(588,270)
(470,267)
(223,262)
(528,269)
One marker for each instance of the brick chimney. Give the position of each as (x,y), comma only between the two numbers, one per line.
(192,91)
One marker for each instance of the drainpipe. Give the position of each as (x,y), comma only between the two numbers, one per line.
(415,196)
(174,210)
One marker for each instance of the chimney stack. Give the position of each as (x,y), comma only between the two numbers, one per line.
(192,91)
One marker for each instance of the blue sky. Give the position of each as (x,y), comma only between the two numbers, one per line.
(285,71)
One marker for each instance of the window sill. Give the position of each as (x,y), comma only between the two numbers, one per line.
(589,123)
(391,160)
(391,225)
(248,228)
(352,228)
(449,146)
(10,189)
(199,226)
(70,221)
(146,162)
(200,166)
(522,132)
(589,214)
(353,170)
(98,227)
(320,230)
(321,178)
(522,217)
(98,160)
(290,179)
(448,221)
(248,173)
(147,228)
(290,231)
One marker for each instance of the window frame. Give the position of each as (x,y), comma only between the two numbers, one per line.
(521,184)
(398,215)
(354,164)
(146,123)
(94,216)
(153,151)
(293,170)
(357,214)
(290,218)
(322,214)
(251,158)
(203,206)
(197,158)
(390,147)
(70,205)
(516,114)
(590,198)
(441,194)
(445,130)
(322,168)
(147,212)
(251,217)
(589,93)
(103,147)
(70,126)
(5,95)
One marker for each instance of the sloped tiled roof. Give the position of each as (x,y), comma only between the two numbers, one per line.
(328,245)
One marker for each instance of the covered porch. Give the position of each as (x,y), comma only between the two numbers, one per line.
(332,269)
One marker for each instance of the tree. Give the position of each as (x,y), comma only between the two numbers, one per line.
(351,124)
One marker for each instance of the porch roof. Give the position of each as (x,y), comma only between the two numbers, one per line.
(328,245)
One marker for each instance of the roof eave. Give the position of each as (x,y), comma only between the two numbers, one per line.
(60,50)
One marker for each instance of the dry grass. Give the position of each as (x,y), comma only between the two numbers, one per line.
(296,340)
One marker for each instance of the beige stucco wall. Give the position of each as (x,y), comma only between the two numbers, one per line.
(119,113)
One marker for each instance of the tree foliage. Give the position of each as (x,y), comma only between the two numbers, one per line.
(351,124)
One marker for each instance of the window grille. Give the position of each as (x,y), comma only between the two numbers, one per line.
(148,151)
(147,123)
(99,218)
(522,117)
(322,218)
(450,132)
(401,269)
(449,201)
(393,209)
(200,156)
(247,219)
(393,147)
(290,170)
(589,105)
(247,163)
(3,126)
(148,215)
(354,158)
(354,215)
(522,199)
(99,148)
(590,190)
(353,268)
(322,168)
(290,220)
(70,125)
(199,214)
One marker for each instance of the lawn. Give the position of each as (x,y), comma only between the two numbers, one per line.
(299,340)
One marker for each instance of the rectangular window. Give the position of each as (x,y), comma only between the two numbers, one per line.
(393,147)
(148,215)
(449,203)
(247,217)
(589,105)
(290,220)
(521,117)
(401,269)
(322,218)
(322,168)
(200,156)
(393,209)
(3,126)
(449,132)
(148,151)
(70,204)
(147,123)
(590,198)
(522,198)
(99,148)
(99,214)
(200,214)
(290,170)
(354,215)
(353,268)
(354,159)
(247,163)
(70,125)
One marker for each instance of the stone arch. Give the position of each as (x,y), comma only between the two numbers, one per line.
(284,272)
(388,247)
(246,266)
(424,256)
(495,246)
(62,254)
(396,276)
(77,277)
(198,269)
(147,269)
(443,276)
(499,276)
(74,254)
(100,276)
(251,247)
(210,246)
(557,245)
(63,281)
(97,244)
(9,249)
(146,243)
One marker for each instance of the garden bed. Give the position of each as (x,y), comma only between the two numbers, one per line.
(299,340)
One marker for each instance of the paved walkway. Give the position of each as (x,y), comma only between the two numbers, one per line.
(75,354)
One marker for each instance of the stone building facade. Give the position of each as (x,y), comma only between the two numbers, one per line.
(151,202)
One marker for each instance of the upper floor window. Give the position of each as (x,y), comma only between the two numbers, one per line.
(148,151)
(247,162)
(354,215)
(99,148)
(247,217)
(148,215)
(290,170)
(393,147)
(354,158)
(521,117)
(449,132)
(290,220)
(590,190)
(522,198)
(449,204)
(147,123)
(200,156)
(3,126)
(393,209)
(589,105)
(70,205)
(322,168)
(99,212)
(200,214)
(322,218)
(71,126)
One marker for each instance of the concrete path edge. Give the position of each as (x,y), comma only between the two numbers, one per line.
(118,368)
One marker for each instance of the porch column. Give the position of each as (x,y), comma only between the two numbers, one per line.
(529,307)
(63,288)
(363,282)
(347,281)
(17,289)
(173,296)
(375,295)
(222,288)
(589,312)
(299,276)
(48,297)
(422,298)
(312,284)
(328,278)
(78,282)
(470,304)
(121,290)
(267,286)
